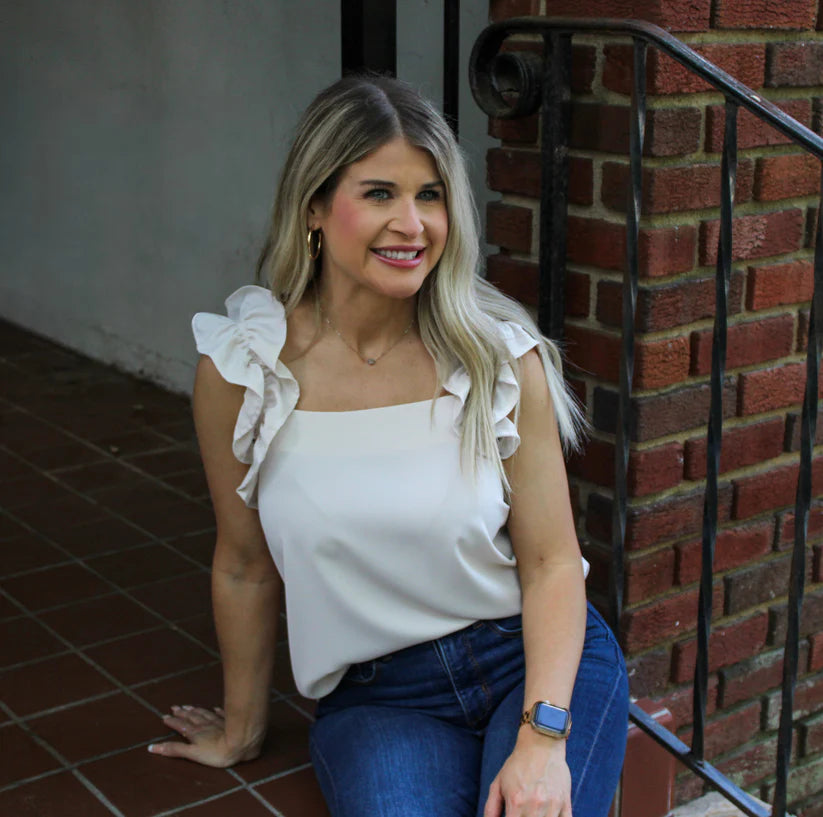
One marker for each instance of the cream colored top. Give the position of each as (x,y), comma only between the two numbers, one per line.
(381,538)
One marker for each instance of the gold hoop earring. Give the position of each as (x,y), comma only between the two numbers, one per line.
(315,241)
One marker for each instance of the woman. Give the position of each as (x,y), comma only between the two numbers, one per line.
(383,430)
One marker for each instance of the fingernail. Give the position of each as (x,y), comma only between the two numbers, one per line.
(188,707)
(151,747)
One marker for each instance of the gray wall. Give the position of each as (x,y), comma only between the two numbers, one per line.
(141,144)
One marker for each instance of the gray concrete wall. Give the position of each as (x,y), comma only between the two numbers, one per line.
(141,140)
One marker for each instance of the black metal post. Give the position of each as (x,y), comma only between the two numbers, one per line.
(368,36)
(451,63)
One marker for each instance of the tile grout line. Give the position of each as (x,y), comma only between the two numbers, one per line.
(97,793)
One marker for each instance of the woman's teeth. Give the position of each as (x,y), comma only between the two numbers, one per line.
(398,255)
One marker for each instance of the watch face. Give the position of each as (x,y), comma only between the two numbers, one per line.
(551,718)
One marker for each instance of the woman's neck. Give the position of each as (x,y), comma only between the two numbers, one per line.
(365,318)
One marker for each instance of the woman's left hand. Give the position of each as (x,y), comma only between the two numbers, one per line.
(534,781)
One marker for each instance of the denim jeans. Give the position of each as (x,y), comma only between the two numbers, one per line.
(424,731)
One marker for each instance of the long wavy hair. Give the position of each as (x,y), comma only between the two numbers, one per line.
(457,311)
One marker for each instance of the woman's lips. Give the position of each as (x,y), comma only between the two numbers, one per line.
(403,257)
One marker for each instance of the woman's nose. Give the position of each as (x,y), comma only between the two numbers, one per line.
(407,219)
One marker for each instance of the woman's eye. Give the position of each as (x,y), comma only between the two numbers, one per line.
(378,193)
(430,195)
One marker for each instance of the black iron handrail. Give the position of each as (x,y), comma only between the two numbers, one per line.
(509,84)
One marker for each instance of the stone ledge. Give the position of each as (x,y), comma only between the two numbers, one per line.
(711,805)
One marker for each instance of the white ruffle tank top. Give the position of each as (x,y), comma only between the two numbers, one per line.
(382,539)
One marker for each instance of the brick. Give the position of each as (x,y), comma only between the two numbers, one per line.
(727,645)
(728,730)
(815,652)
(649,672)
(656,623)
(649,575)
(680,702)
(524,129)
(778,284)
(666,250)
(655,522)
(768,490)
(742,446)
(750,678)
(511,170)
(599,126)
(504,9)
(753,132)
(673,188)
(811,735)
(756,584)
(745,62)
(650,470)
(750,764)
(514,171)
(672,131)
(814,528)
(764,14)
(675,517)
(578,287)
(803,322)
(594,464)
(794,64)
(584,68)
(655,469)
(660,363)
(690,15)
(733,547)
(667,306)
(518,279)
(509,226)
(594,352)
(811,616)
(808,698)
(658,415)
(747,343)
(581,181)
(785,177)
(605,128)
(598,243)
(755,236)
(769,389)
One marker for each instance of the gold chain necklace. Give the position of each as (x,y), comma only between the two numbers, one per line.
(370,361)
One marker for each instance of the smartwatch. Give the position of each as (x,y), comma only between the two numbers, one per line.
(548,719)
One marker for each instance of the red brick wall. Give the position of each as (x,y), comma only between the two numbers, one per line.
(777,49)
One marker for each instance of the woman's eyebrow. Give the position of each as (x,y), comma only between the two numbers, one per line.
(384,183)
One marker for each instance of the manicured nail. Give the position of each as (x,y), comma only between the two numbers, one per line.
(188,707)
(151,747)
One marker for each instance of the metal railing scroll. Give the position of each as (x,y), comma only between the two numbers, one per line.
(509,84)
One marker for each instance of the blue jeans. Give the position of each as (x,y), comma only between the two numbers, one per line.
(424,731)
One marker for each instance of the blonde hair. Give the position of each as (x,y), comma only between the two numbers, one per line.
(457,311)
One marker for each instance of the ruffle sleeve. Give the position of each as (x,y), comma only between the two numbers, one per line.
(245,346)
(506,389)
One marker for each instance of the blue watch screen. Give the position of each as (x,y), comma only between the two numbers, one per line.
(551,717)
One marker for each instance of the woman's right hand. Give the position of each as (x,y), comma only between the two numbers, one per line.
(205,731)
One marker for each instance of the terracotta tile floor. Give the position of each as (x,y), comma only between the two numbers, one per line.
(105,544)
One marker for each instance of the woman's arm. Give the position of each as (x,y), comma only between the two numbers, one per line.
(245,594)
(535,779)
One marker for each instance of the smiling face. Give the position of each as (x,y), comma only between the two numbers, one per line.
(385,225)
